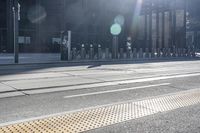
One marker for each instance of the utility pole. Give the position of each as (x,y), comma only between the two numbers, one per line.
(16,10)
(9,5)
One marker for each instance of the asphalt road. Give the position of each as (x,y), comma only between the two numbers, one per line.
(30,91)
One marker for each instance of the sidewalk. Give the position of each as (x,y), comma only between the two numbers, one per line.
(53,58)
(30,58)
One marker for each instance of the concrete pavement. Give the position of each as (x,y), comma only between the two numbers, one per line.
(47,90)
(35,79)
(6,58)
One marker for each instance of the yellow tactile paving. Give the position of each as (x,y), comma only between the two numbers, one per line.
(105,116)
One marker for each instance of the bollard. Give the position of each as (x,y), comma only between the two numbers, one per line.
(164,52)
(179,52)
(99,52)
(64,53)
(141,53)
(128,53)
(172,52)
(83,52)
(74,53)
(184,52)
(193,52)
(153,53)
(107,53)
(121,54)
(158,52)
(91,53)
(182,55)
(146,53)
(188,52)
(134,53)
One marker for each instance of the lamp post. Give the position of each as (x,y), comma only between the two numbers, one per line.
(16,18)
(115,30)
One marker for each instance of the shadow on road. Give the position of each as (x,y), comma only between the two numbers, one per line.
(25,68)
(94,66)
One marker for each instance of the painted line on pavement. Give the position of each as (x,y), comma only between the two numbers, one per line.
(111,83)
(112,91)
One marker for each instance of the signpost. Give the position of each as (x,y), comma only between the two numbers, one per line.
(69,44)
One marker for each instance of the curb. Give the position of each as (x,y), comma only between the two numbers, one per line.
(110,61)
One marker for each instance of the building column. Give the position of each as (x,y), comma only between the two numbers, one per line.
(38,38)
(185,21)
(163,25)
(174,24)
(157,24)
(150,24)
(170,29)
(145,24)
(9,46)
(62,15)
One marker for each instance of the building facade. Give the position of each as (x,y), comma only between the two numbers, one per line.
(149,23)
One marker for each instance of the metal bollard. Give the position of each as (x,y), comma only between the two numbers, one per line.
(179,52)
(107,53)
(91,53)
(184,52)
(146,53)
(99,52)
(141,53)
(168,52)
(121,54)
(153,53)
(134,53)
(128,53)
(158,52)
(74,53)
(164,52)
(83,52)
(173,52)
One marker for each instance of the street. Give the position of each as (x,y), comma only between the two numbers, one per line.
(169,91)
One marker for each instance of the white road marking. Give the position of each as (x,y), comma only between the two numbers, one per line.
(110,83)
(159,78)
(118,90)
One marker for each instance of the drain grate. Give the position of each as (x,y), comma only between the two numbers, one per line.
(104,116)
